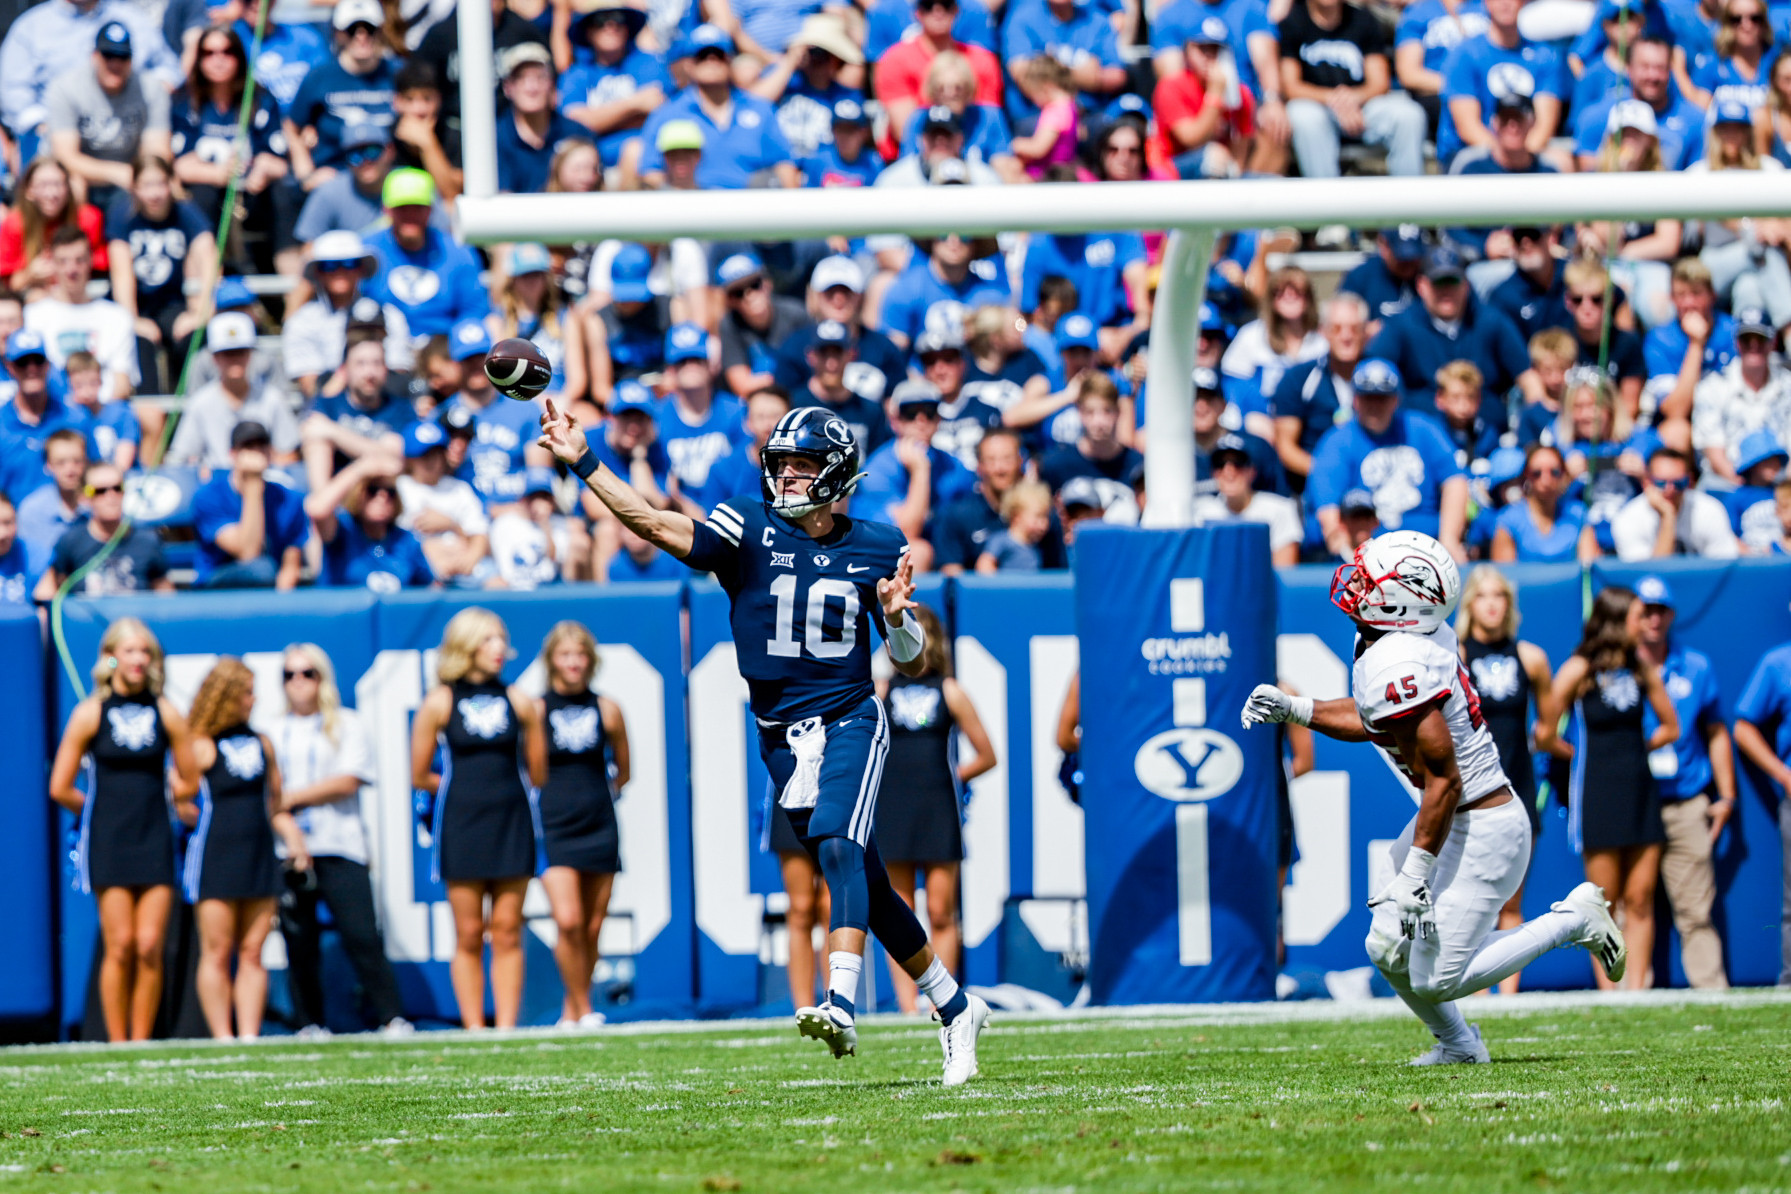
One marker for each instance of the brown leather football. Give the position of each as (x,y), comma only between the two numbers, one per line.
(518,369)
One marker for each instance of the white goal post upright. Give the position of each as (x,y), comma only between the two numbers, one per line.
(1193,212)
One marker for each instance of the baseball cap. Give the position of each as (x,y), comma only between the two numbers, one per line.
(1443,264)
(939,116)
(1083,492)
(837,271)
(422,438)
(1505,465)
(679,134)
(458,420)
(1513,90)
(736,266)
(468,338)
(1730,111)
(230,331)
(1231,444)
(529,258)
(1129,104)
(1652,590)
(628,395)
(366,312)
(340,247)
(703,37)
(849,111)
(233,294)
(1356,501)
(358,136)
(113,40)
(25,343)
(1758,447)
(1406,241)
(1632,114)
(1755,322)
(349,13)
(628,274)
(408,187)
(686,342)
(1211,31)
(951,171)
(518,56)
(1212,321)
(1616,8)
(832,331)
(1206,381)
(917,392)
(948,338)
(1075,331)
(537,480)
(1376,376)
(249,434)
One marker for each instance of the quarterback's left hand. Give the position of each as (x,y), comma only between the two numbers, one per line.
(1410,897)
(897,592)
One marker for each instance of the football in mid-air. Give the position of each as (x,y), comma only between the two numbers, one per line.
(518,369)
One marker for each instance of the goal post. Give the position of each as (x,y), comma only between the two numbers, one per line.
(1192,212)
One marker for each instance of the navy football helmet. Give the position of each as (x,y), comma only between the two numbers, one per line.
(812,432)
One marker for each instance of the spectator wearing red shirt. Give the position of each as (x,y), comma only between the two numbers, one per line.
(902,72)
(1197,130)
(45,205)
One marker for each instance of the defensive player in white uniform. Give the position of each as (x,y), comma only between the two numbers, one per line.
(1466,851)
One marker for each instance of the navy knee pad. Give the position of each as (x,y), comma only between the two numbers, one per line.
(842,865)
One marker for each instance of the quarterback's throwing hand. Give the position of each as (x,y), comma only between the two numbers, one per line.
(1268,705)
(561,434)
(1410,897)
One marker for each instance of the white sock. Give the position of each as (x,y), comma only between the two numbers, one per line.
(843,969)
(1505,953)
(937,984)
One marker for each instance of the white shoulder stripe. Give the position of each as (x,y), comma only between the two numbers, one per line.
(724,514)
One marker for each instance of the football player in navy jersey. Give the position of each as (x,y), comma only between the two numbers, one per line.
(805,585)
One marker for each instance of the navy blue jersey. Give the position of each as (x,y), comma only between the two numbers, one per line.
(801,608)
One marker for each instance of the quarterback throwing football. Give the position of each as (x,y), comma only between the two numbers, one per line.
(1466,851)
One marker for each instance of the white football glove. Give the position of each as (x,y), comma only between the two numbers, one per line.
(1268,705)
(1409,893)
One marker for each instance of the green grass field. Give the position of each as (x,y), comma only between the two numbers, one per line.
(1581,1095)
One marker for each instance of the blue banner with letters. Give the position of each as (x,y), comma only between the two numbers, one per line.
(1177,626)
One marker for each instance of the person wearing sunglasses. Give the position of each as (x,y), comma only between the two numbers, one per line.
(324,761)
(358,86)
(1670,517)
(102,116)
(133,566)
(940,25)
(1743,53)
(1752,392)
(613,94)
(1544,527)
(742,144)
(755,322)
(314,340)
(1599,340)
(355,517)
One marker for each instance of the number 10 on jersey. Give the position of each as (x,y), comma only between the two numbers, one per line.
(791,636)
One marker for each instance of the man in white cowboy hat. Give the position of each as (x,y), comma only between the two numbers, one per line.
(316,335)
(804,83)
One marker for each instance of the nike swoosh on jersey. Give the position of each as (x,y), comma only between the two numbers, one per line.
(858,567)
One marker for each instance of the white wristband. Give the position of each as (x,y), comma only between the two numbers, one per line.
(1299,710)
(1419,863)
(907,639)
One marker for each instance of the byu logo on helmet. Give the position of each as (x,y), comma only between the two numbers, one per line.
(1189,764)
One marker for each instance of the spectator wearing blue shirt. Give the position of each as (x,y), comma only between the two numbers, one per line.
(613,94)
(1428,32)
(1386,282)
(762,29)
(1741,66)
(1648,18)
(804,82)
(422,271)
(288,53)
(15,566)
(846,158)
(1534,297)
(889,22)
(1445,326)
(1336,76)
(1108,268)
(1765,709)
(630,443)
(1679,123)
(251,531)
(951,280)
(637,559)
(697,425)
(356,87)
(33,415)
(1315,396)
(1513,123)
(1401,457)
(836,293)
(1076,35)
(1210,430)
(1606,75)
(58,502)
(1695,779)
(831,356)
(908,482)
(355,515)
(1485,69)
(357,421)
(1760,462)
(741,139)
(504,430)
(635,322)
(530,132)
(1543,526)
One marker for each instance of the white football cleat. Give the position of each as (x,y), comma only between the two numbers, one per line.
(958,1039)
(1601,937)
(831,1026)
(1441,1054)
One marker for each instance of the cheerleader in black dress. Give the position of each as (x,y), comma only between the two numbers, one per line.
(1507,674)
(919,824)
(1613,810)
(123,736)
(484,825)
(233,874)
(578,811)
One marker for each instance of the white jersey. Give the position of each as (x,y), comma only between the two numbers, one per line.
(1397,673)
